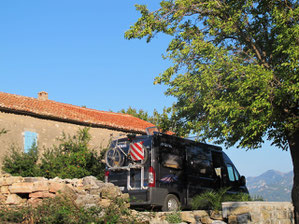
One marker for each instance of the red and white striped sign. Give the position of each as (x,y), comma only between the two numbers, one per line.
(136,151)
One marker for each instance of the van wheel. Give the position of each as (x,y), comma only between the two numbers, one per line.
(171,203)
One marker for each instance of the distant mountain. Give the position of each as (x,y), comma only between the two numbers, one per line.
(271,185)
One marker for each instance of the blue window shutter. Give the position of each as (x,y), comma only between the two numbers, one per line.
(30,138)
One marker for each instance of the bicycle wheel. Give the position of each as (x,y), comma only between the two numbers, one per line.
(145,156)
(114,158)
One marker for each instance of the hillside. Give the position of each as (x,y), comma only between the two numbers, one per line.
(271,185)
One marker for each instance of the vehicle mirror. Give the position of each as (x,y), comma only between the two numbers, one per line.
(242,181)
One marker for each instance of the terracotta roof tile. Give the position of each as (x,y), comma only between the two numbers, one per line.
(70,113)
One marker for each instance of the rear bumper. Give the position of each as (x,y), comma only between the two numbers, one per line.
(150,197)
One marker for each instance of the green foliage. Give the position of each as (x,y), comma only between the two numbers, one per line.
(117,212)
(12,215)
(174,217)
(257,198)
(209,200)
(235,67)
(212,200)
(143,115)
(51,211)
(72,158)
(63,210)
(234,70)
(23,164)
(162,121)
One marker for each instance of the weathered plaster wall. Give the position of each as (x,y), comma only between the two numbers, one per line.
(48,131)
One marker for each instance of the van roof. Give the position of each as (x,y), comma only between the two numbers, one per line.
(173,138)
(189,141)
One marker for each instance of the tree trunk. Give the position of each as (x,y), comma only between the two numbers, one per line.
(294,148)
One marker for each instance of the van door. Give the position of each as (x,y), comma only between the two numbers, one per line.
(170,167)
(199,170)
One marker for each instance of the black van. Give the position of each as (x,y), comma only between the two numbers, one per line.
(169,171)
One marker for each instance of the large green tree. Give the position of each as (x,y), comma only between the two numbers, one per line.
(234,70)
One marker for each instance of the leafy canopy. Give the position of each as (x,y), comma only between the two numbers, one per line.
(235,67)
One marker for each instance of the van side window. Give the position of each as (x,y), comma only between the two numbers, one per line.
(199,160)
(233,174)
(171,156)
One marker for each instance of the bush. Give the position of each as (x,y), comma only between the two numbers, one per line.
(23,164)
(212,200)
(62,210)
(117,212)
(174,217)
(52,211)
(72,158)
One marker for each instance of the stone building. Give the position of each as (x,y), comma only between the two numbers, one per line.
(41,120)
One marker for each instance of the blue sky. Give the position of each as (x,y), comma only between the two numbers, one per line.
(76,51)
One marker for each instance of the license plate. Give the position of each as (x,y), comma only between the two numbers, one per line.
(122,188)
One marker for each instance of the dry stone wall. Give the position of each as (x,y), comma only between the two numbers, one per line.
(258,212)
(89,191)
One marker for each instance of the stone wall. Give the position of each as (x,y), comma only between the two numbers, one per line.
(235,213)
(89,191)
(258,212)
(47,130)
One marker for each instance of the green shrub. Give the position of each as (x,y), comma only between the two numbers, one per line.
(58,210)
(23,164)
(256,198)
(174,217)
(117,212)
(13,215)
(62,210)
(72,158)
(212,200)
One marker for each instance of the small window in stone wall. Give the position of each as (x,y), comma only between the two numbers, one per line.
(30,139)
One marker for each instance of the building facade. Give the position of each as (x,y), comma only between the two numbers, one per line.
(28,120)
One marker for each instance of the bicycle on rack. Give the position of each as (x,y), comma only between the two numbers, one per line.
(122,151)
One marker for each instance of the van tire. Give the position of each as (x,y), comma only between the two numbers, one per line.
(171,203)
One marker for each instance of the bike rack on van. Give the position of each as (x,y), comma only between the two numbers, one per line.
(128,168)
